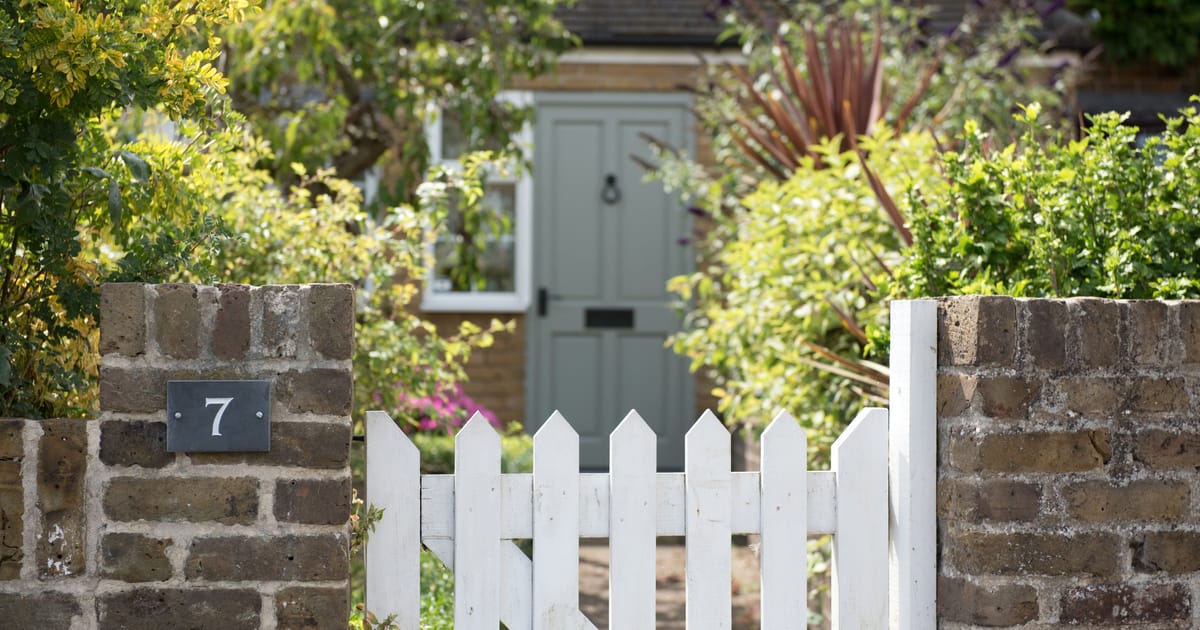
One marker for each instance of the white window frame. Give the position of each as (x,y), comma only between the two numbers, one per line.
(517,300)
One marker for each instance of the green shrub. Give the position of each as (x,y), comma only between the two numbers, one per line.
(1165,31)
(800,247)
(437,451)
(1100,216)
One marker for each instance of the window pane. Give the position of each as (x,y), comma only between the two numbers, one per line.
(479,253)
(454,141)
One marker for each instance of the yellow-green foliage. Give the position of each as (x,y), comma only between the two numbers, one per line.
(800,246)
(64,68)
(1100,216)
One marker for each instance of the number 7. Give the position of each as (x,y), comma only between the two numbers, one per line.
(224,402)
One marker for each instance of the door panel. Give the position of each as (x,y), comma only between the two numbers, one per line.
(612,255)
(646,222)
(574,245)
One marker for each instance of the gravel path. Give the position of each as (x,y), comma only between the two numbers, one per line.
(593,586)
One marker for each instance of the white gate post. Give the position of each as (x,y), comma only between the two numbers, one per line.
(912,466)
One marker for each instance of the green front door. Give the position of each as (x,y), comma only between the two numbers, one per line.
(605,244)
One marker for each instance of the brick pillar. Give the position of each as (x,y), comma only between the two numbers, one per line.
(1069,439)
(251,539)
(101,527)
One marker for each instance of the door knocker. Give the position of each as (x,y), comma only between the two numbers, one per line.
(611,194)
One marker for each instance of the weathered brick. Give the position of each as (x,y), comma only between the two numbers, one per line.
(980,553)
(133,390)
(135,558)
(12,499)
(1046,333)
(1166,394)
(977,330)
(62,466)
(966,602)
(1034,452)
(1189,329)
(1147,499)
(997,342)
(123,318)
(995,500)
(1098,396)
(1173,552)
(1125,604)
(310,608)
(331,320)
(153,609)
(305,444)
(47,609)
(1167,450)
(954,394)
(177,320)
(231,329)
(1099,323)
(286,558)
(1007,397)
(313,501)
(957,330)
(280,320)
(134,443)
(195,499)
(12,511)
(11,444)
(323,391)
(1149,337)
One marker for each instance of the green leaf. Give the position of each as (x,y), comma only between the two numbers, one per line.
(98,173)
(114,202)
(137,166)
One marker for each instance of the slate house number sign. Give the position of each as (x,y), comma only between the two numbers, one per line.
(218,416)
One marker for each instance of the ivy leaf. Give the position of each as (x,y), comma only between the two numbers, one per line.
(137,166)
(114,202)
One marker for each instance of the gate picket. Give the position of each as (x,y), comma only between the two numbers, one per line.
(471,519)
(632,457)
(708,502)
(783,555)
(476,528)
(860,585)
(555,525)
(395,587)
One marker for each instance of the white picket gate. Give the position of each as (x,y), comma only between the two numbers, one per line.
(877,502)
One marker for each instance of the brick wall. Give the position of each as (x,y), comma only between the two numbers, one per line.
(496,373)
(101,527)
(1069,441)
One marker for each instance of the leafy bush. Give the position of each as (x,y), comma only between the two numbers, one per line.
(1100,216)
(802,246)
(792,260)
(437,451)
(63,68)
(1165,31)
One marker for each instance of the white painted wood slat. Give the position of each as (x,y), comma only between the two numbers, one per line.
(555,525)
(632,456)
(393,561)
(860,580)
(708,523)
(476,528)
(783,556)
(912,469)
(557,505)
(437,505)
